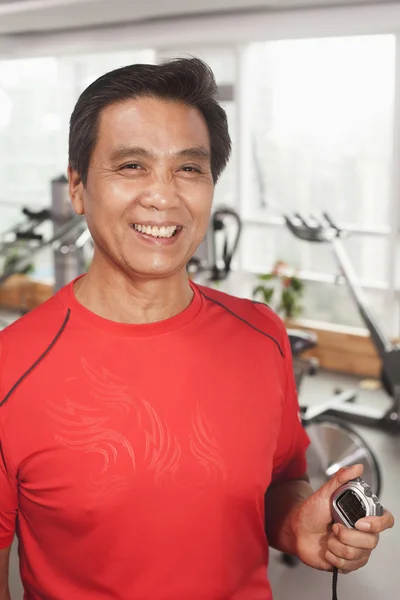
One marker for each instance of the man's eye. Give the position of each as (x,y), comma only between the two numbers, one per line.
(190,169)
(132,166)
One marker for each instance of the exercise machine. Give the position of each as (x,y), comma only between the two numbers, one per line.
(214,255)
(23,249)
(68,253)
(326,231)
(334,443)
(67,237)
(20,242)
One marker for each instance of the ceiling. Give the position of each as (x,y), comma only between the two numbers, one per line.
(24,16)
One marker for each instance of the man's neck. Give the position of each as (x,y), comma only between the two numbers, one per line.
(116,297)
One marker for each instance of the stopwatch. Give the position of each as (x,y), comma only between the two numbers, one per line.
(353,501)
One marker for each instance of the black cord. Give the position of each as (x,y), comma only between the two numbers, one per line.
(334,583)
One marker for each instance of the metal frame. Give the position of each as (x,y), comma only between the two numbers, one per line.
(352,228)
(313,276)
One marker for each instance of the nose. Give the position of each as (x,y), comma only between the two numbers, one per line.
(161,196)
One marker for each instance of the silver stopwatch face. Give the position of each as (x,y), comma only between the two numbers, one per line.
(355,500)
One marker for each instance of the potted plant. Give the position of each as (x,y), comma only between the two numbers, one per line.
(282,289)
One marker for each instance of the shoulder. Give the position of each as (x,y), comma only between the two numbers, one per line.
(25,340)
(255,314)
(34,325)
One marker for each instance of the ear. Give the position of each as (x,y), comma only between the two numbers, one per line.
(76,190)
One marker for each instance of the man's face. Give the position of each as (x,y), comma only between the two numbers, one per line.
(149,190)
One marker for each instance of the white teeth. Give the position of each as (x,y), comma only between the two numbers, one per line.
(161,232)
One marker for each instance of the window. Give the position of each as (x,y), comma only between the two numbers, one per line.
(321,126)
(263,245)
(330,303)
(320,132)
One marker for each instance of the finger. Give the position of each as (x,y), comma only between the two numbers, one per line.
(343,565)
(354,538)
(341,477)
(349,553)
(346,474)
(376,524)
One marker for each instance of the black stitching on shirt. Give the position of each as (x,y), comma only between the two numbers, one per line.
(244,321)
(39,360)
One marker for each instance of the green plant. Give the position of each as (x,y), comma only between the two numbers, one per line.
(262,290)
(11,262)
(282,289)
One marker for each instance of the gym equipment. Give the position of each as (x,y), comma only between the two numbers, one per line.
(20,241)
(25,229)
(334,443)
(214,255)
(326,231)
(23,241)
(69,257)
(33,245)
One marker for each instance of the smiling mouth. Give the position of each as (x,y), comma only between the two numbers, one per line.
(157,232)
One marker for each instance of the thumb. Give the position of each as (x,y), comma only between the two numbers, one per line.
(342,476)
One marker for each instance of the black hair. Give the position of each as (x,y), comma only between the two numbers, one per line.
(186,80)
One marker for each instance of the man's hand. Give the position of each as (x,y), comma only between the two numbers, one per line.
(322,546)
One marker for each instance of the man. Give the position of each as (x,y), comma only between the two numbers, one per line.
(144,420)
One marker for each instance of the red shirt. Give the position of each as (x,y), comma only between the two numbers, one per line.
(134,459)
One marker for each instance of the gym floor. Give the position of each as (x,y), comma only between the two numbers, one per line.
(380,578)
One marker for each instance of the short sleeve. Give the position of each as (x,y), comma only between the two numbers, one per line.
(8,489)
(290,453)
(8,502)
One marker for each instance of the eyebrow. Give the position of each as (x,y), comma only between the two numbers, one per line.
(195,152)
